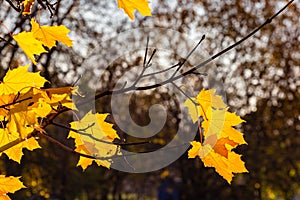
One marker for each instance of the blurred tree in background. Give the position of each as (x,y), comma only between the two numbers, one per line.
(260,79)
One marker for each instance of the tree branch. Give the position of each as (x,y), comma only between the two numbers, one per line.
(97,139)
(193,69)
(68,149)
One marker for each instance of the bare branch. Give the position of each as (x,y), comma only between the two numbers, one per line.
(192,70)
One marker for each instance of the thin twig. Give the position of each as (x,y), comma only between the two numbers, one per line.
(13,6)
(185,94)
(68,149)
(80,132)
(144,68)
(187,57)
(96,139)
(15,102)
(4,40)
(162,71)
(146,52)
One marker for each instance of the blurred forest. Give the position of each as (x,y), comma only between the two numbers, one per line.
(260,80)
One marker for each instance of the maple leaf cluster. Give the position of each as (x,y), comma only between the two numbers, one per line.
(26,109)
(23,106)
(218,137)
(24,103)
(33,42)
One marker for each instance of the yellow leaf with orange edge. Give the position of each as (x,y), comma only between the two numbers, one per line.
(218,134)
(19,80)
(49,35)
(226,166)
(30,45)
(9,184)
(220,123)
(130,6)
(94,137)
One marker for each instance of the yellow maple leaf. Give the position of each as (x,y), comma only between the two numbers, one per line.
(51,99)
(219,134)
(205,99)
(9,185)
(29,44)
(60,97)
(5,100)
(130,6)
(19,80)
(220,123)
(95,139)
(49,35)
(32,42)
(20,122)
(226,163)
(15,153)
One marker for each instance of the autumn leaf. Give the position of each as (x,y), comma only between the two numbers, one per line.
(49,35)
(19,80)
(23,103)
(32,42)
(205,99)
(51,99)
(60,97)
(27,6)
(221,123)
(9,185)
(15,153)
(218,133)
(29,44)
(226,166)
(21,123)
(130,6)
(5,100)
(95,139)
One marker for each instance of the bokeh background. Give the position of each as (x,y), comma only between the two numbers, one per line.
(260,81)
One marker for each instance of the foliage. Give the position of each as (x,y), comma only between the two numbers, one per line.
(130,5)
(219,135)
(27,108)
(9,185)
(32,42)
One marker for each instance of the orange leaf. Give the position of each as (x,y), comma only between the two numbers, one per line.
(220,146)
